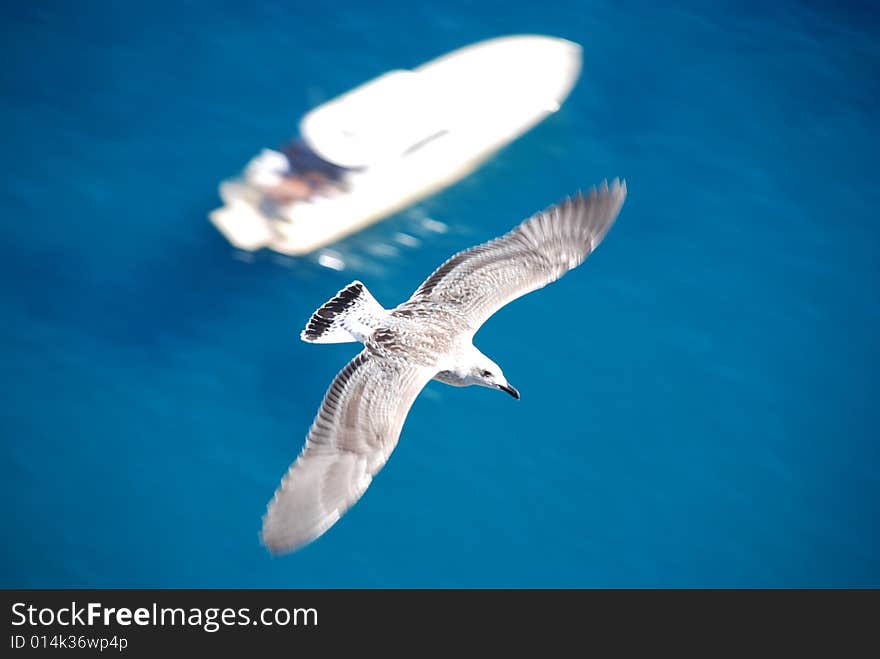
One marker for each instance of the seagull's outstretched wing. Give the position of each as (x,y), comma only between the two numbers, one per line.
(350,440)
(482,279)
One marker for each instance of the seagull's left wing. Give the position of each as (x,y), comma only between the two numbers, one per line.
(351,438)
(482,279)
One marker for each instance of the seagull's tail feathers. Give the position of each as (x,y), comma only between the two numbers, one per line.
(351,315)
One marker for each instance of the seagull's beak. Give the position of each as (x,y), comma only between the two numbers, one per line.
(511,390)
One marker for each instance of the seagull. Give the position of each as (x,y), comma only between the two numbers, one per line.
(430,336)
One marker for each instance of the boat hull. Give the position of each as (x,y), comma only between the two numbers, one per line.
(484,96)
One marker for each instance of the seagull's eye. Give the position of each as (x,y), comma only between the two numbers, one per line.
(486,374)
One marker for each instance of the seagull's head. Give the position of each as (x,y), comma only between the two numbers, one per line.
(487,373)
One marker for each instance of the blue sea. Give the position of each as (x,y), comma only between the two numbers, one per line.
(700,400)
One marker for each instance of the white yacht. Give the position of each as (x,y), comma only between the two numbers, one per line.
(393,141)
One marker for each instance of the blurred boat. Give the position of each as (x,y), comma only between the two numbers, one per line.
(393,141)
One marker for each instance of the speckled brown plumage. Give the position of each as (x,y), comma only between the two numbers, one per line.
(428,336)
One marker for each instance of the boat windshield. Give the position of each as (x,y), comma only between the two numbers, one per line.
(301,158)
(294,172)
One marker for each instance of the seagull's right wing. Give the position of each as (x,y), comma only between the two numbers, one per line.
(482,279)
(350,440)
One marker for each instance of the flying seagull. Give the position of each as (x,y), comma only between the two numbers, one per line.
(427,337)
